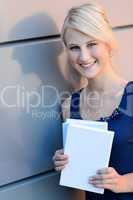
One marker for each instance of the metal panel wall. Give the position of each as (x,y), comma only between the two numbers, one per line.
(30,87)
(31,19)
(123,58)
(41,187)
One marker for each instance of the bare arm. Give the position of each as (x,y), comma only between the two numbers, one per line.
(128,182)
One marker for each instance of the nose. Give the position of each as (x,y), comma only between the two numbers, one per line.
(84,55)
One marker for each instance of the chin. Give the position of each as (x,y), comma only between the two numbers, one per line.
(91,75)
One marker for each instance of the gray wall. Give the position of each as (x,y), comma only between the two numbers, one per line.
(30,86)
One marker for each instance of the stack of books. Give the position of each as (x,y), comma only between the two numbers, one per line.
(88,145)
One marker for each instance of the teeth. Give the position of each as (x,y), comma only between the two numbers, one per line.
(89,64)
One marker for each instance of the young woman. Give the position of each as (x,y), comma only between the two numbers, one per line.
(90,43)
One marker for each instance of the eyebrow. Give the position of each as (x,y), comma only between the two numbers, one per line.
(89,42)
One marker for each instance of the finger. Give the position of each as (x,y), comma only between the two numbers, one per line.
(103,176)
(104,186)
(107,170)
(60,163)
(60,157)
(103,181)
(60,151)
(59,168)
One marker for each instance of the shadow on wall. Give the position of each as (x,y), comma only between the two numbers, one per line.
(32,139)
(34,26)
(43,25)
(34,129)
(40,58)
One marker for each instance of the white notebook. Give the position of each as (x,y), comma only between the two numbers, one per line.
(93,124)
(88,150)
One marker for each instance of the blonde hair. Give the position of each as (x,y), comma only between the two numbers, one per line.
(90,19)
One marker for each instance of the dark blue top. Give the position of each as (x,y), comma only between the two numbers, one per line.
(121,122)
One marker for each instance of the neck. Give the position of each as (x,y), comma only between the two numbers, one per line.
(107,81)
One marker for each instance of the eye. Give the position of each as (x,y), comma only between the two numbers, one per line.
(91,44)
(74,48)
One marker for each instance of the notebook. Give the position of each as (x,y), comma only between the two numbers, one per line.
(93,124)
(89,150)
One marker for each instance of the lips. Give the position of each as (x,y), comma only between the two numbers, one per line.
(88,64)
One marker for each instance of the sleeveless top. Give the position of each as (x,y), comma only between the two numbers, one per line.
(121,122)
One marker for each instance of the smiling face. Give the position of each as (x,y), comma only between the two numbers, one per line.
(88,56)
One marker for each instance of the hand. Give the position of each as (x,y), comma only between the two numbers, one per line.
(60,160)
(108,178)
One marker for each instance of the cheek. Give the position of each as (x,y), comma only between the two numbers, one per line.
(101,54)
(72,57)
(95,52)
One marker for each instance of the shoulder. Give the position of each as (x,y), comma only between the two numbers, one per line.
(126,105)
(65,107)
(129,87)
